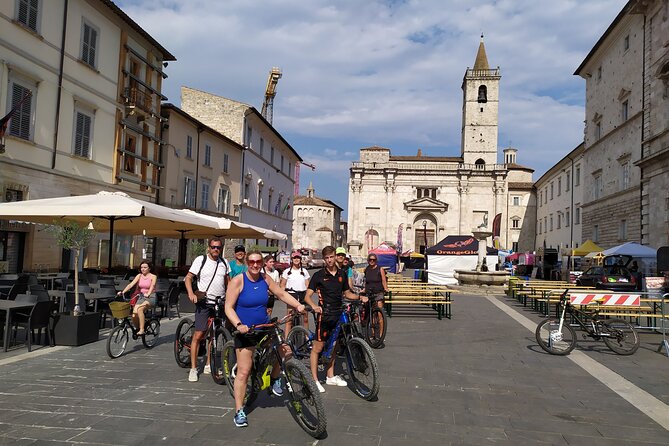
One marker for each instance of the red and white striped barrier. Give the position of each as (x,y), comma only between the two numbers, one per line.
(630,300)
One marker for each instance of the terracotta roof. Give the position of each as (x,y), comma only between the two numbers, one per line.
(516,186)
(514,166)
(455,159)
(310,201)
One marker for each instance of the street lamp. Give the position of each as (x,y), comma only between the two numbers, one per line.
(425,233)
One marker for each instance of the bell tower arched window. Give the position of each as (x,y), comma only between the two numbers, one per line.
(483,94)
(480,163)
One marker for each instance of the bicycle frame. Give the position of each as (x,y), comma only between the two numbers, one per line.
(593,330)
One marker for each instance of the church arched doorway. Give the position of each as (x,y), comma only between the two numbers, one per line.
(371,240)
(425,230)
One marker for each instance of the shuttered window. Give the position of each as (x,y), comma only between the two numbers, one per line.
(28,13)
(83,125)
(89,44)
(20,124)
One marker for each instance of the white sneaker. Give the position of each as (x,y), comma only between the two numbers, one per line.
(192,375)
(207,369)
(336,381)
(320,387)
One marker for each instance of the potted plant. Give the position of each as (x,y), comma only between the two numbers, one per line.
(79,327)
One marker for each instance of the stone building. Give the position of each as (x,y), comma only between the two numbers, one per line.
(85,83)
(418,200)
(202,172)
(268,163)
(317,222)
(559,194)
(626,168)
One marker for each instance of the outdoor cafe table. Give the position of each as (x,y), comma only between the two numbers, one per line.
(8,306)
(96,298)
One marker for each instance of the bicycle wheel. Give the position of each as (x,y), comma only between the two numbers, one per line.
(117,341)
(216,359)
(376,328)
(229,364)
(306,404)
(362,369)
(151,333)
(182,340)
(300,342)
(623,338)
(554,341)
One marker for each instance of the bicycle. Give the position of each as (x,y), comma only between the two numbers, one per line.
(558,337)
(216,335)
(305,405)
(360,361)
(120,335)
(372,321)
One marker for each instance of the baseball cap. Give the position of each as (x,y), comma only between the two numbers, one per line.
(240,248)
(340,250)
(296,254)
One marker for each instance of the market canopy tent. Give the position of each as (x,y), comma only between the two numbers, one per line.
(631,249)
(586,248)
(114,212)
(386,257)
(455,252)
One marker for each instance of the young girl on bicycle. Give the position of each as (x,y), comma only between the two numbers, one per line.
(146,284)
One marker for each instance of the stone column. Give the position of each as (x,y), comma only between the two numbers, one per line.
(481,234)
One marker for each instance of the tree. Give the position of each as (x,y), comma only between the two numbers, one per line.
(70,235)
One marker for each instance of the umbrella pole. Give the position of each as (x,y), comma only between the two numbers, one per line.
(111,243)
(182,249)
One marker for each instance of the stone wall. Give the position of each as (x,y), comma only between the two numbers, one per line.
(222,114)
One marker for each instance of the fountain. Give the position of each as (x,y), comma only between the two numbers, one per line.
(481,275)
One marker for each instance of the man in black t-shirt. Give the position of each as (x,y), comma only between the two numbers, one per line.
(329,284)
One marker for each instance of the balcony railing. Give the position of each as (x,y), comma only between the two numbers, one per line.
(138,98)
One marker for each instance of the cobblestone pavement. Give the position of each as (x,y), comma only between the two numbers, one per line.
(479,378)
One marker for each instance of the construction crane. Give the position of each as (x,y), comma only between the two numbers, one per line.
(297,175)
(270,92)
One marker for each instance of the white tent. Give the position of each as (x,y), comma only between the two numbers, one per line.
(631,249)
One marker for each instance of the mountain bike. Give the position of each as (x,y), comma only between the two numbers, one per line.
(216,335)
(371,320)
(558,337)
(360,361)
(120,335)
(305,403)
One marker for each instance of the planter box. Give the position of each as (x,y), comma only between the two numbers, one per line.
(76,330)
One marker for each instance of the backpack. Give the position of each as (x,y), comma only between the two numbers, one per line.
(204,260)
(358,280)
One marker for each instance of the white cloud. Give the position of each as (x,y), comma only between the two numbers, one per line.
(388,73)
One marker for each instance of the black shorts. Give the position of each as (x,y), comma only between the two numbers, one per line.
(248,340)
(298,295)
(202,314)
(325,325)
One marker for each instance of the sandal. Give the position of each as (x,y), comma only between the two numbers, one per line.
(140,333)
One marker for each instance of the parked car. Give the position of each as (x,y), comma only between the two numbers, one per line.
(315,261)
(608,277)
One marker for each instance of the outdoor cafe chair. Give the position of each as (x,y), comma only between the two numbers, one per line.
(38,319)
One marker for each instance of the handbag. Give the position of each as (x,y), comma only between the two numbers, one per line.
(134,297)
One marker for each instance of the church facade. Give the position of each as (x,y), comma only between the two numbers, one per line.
(415,201)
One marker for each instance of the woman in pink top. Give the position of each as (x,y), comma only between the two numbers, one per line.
(146,284)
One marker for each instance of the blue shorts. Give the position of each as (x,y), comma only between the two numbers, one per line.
(202,314)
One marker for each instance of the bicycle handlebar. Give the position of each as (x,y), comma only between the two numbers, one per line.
(274,322)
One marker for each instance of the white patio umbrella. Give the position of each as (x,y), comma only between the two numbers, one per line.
(234,229)
(113,212)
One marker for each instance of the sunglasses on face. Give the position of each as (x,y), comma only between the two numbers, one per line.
(371,260)
(215,247)
(254,262)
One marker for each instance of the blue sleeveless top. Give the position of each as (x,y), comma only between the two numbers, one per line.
(252,302)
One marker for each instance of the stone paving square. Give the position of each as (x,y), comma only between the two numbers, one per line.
(479,378)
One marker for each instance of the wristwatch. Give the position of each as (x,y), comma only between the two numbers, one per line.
(239,323)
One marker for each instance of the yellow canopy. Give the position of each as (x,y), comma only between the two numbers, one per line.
(586,248)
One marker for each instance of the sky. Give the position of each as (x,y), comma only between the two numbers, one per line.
(360,73)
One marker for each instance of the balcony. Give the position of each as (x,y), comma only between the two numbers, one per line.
(134,97)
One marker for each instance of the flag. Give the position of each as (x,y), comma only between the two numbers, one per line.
(399,238)
(286,207)
(4,122)
(496,225)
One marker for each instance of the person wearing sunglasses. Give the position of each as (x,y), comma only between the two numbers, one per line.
(211,272)
(376,283)
(245,306)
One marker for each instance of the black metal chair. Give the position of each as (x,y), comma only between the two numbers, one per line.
(172,300)
(38,319)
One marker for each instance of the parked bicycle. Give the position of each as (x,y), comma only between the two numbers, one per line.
(371,320)
(216,336)
(120,335)
(558,337)
(360,361)
(305,403)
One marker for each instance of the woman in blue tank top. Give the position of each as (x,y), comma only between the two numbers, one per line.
(245,306)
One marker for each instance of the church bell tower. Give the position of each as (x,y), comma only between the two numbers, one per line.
(480,88)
